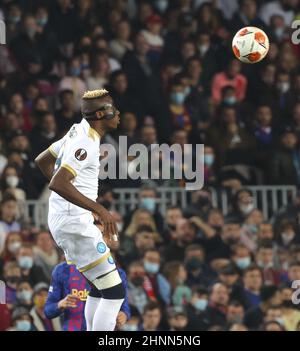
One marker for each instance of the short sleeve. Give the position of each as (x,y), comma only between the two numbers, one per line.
(78,155)
(55,147)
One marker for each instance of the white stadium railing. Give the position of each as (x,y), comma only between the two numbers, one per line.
(268,199)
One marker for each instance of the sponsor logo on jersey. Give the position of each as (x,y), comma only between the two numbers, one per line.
(81,294)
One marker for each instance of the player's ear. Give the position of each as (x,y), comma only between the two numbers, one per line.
(99,114)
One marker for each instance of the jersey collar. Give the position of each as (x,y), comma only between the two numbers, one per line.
(91,132)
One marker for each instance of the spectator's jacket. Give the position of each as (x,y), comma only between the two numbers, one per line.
(40,324)
(66,279)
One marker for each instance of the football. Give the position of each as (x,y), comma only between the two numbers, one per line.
(250,45)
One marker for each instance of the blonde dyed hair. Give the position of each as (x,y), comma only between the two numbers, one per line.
(94,94)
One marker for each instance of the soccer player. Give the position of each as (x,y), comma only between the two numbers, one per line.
(72,165)
(67,296)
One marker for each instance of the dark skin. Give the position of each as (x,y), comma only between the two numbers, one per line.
(61,181)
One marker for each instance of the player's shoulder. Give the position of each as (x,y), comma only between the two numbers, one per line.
(80,135)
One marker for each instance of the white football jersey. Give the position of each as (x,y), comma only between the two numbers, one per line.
(79,152)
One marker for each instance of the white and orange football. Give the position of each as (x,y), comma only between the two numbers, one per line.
(250,45)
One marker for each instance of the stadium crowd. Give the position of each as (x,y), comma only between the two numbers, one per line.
(170,69)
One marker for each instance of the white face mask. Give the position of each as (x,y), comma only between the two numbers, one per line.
(12,181)
(120,226)
(203,48)
(246,209)
(14,247)
(287,238)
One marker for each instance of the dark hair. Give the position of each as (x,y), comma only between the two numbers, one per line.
(152,305)
(251,268)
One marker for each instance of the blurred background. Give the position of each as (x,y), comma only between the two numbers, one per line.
(221,258)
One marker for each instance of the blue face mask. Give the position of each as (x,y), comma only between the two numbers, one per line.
(23,325)
(162,5)
(148,203)
(75,71)
(209,160)
(129,327)
(14,19)
(187,91)
(200,304)
(42,21)
(24,295)
(25,262)
(177,98)
(231,100)
(243,263)
(151,267)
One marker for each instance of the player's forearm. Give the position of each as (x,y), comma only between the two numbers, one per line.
(66,189)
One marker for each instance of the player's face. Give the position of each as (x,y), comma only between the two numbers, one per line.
(111,124)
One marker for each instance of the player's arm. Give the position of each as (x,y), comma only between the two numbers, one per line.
(46,161)
(61,183)
(55,294)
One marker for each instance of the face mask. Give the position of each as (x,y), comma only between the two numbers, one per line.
(148,203)
(193,264)
(120,227)
(243,263)
(75,71)
(264,265)
(252,228)
(200,304)
(279,32)
(137,281)
(50,135)
(24,295)
(23,325)
(14,247)
(42,21)
(231,241)
(177,98)
(209,160)
(283,87)
(129,327)
(162,5)
(246,209)
(280,321)
(288,304)
(203,49)
(14,280)
(151,268)
(30,32)
(25,262)
(287,238)
(14,19)
(187,91)
(230,100)
(12,181)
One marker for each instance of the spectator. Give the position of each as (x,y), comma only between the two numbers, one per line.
(40,321)
(270,296)
(160,286)
(177,319)
(30,271)
(151,317)
(46,255)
